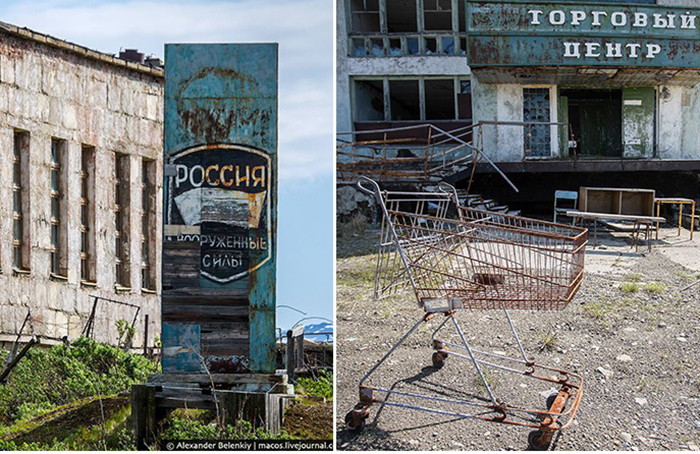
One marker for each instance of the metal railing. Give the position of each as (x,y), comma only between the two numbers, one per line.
(426,153)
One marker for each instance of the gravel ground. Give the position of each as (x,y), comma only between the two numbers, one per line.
(631,332)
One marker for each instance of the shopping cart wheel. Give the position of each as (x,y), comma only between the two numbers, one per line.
(438,360)
(535,441)
(349,422)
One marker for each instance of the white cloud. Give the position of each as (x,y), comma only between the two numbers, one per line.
(302,27)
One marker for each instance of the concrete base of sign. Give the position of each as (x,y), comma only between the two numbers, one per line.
(260,399)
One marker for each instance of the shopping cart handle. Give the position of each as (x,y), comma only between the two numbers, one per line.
(375,190)
(446,187)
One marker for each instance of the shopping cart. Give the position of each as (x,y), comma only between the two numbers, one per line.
(474,259)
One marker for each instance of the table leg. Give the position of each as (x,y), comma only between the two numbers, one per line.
(680,218)
(658,210)
(595,233)
(692,219)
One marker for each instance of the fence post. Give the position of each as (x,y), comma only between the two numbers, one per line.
(145,335)
(290,354)
(299,350)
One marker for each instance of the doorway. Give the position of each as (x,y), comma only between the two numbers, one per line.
(595,117)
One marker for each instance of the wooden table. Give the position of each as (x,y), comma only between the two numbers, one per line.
(638,222)
(680,201)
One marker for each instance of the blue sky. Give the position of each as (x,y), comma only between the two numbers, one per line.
(304,31)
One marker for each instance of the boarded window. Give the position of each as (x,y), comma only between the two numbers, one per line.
(439,99)
(147,224)
(57,193)
(365,16)
(121,220)
(369,100)
(20,202)
(87,215)
(437,14)
(401,16)
(405,100)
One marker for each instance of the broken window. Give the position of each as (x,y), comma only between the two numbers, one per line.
(536,110)
(464,100)
(87,215)
(20,202)
(58,207)
(412,99)
(404,99)
(121,220)
(439,99)
(395,46)
(413,46)
(377,47)
(401,16)
(365,16)
(437,14)
(358,47)
(430,45)
(147,223)
(369,100)
(448,45)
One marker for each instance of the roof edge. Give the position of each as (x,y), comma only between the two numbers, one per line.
(79,50)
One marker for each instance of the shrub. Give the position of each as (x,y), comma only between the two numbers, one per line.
(46,378)
(321,386)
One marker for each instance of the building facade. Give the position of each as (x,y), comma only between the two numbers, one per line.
(567,87)
(81,135)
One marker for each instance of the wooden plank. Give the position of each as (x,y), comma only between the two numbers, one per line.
(202,314)
(173,402)
(205,299)
(224,379)
(227,349)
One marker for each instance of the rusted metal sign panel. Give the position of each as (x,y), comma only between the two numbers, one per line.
(584,34)
(220,206)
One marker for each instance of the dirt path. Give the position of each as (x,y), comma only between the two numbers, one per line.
(630,332)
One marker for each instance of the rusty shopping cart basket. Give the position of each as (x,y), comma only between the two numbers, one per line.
(455,258)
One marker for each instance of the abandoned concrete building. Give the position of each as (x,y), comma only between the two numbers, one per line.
(81,134)
(558,95)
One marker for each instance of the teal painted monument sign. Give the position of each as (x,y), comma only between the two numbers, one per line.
(220,214)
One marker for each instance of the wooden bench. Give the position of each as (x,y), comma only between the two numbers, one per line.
(638,221)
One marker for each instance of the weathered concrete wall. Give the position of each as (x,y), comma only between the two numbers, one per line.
(690,107)
(343,93)
(510,138)
(670,132)
(52,92)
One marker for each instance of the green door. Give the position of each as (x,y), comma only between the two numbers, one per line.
(638,106)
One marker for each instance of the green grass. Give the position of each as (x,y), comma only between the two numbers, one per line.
(547,341)
(598,309)
(629,287)
(654,288)
(634,277)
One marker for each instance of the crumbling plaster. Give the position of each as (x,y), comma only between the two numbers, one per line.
(53,93)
